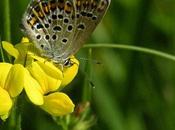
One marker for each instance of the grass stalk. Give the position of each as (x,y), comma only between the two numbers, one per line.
(133,48)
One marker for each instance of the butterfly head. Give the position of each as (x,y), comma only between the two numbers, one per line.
(63,62)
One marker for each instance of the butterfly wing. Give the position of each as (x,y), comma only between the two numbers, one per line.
(59,28)
(88,15)
(49,24)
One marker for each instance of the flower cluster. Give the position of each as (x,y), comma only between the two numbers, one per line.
(41,79)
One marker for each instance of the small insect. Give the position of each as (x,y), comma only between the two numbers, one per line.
(59,28)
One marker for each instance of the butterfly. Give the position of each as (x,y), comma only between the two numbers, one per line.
(59,28)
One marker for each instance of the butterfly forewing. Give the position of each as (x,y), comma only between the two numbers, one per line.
(59,28)
(88,14)
(34,25)
(49,24)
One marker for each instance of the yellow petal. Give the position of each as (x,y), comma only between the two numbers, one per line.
(15,80)
(53,84)
(24,49)
(37,57)
(69,73)
(58,104)
(24,57)
(10,49)
(51,70)
(47,75)
(4,70)
(33,89)
(4,117)
(5,102)
(54,75)
(26,44)
(39,75)
(24,40)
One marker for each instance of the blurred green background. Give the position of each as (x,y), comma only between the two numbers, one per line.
(132,91)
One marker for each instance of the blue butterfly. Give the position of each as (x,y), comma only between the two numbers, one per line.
(59,28)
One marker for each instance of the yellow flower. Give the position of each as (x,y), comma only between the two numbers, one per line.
(11,85)
(70,72)
(42,78)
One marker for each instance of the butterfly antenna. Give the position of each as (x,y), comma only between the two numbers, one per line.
(91,60)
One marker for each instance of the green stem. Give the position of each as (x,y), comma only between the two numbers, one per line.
(60,122)
(86,96)
(15,117)
(2,51)
(133,48)
(7,24)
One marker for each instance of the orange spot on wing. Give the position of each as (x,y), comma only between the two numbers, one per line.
(67,8)
(33,21)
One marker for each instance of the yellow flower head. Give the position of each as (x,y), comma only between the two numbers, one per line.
(11,85)
(42,78)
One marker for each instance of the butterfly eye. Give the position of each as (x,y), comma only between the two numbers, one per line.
(68,63)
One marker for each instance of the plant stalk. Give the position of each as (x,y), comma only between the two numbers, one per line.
(7,23)
(133,48)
